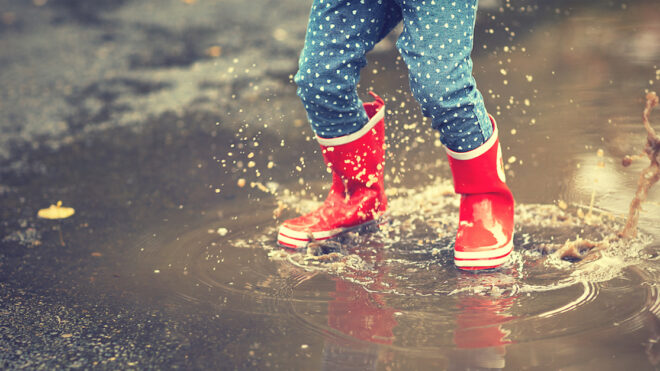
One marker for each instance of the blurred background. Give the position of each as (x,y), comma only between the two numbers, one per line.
(177,120)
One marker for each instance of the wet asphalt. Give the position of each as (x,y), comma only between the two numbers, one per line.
(112,106)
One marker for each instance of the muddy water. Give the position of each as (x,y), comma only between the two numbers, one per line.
(171,255)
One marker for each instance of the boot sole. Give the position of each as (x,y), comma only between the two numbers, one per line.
(295,239)
(478,260)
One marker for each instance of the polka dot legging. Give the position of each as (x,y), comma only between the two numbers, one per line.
(436,43)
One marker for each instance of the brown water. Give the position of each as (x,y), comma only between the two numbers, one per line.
(178,223)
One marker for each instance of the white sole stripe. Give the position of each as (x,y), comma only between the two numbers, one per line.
(301,239)
(289,242)
(489,254)
(305,239)
(481,263)
(320,235)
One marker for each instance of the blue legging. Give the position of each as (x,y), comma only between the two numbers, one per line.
(436,43)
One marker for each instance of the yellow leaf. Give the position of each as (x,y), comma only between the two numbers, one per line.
(56,212)
(214,51)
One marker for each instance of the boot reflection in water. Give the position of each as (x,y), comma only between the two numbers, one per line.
(435,43)
(362,314)
(479,336)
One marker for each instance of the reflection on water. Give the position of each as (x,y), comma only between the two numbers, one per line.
(395,293)
(480,335)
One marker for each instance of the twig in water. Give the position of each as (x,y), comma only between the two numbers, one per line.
(650,175)
(580,249)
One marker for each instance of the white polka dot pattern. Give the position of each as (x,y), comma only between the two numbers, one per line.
(436,43)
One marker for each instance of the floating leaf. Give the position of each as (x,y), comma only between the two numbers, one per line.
(56,212)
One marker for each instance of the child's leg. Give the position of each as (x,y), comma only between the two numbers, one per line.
(339,34)
(436,44)
(351,134)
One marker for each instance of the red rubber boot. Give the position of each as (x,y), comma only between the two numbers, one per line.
(357,196)
(485,228)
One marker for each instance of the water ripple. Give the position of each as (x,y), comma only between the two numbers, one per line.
(398,287)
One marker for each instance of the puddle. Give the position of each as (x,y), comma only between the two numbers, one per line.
(396,293)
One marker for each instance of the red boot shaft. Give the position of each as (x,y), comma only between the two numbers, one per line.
(485,231)
(356,161)
(357,194)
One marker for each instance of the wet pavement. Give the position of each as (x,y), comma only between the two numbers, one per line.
(173,130)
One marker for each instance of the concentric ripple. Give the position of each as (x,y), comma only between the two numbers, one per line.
(399,287)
